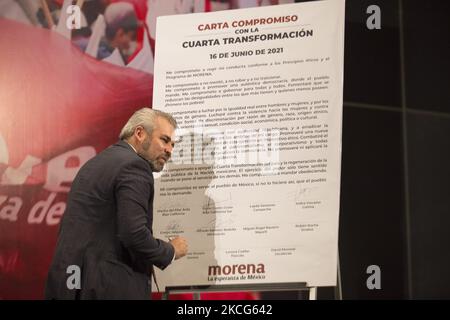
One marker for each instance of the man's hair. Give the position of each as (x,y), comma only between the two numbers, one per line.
(120,15)
(146,118)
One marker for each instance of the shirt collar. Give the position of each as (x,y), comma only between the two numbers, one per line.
(131,146)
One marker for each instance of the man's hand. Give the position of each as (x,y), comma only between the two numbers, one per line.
(181,247)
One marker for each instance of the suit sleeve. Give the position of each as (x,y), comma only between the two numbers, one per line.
(133,188)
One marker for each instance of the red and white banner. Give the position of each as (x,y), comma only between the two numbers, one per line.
(58,108)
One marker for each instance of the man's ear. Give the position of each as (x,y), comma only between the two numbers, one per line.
(139,133)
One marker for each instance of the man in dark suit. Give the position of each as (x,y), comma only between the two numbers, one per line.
(106,230)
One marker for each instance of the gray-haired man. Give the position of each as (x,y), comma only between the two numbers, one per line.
(106,229)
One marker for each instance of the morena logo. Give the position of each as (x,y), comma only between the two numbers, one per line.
(236,269)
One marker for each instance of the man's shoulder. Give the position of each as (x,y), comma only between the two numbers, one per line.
(121,154)
(118,161)
(121,150)
(116,155)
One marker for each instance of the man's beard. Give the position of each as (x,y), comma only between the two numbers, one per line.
(154,164)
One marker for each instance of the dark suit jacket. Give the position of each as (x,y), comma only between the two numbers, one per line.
(106,230)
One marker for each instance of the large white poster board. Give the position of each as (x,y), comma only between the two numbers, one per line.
(255,179)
